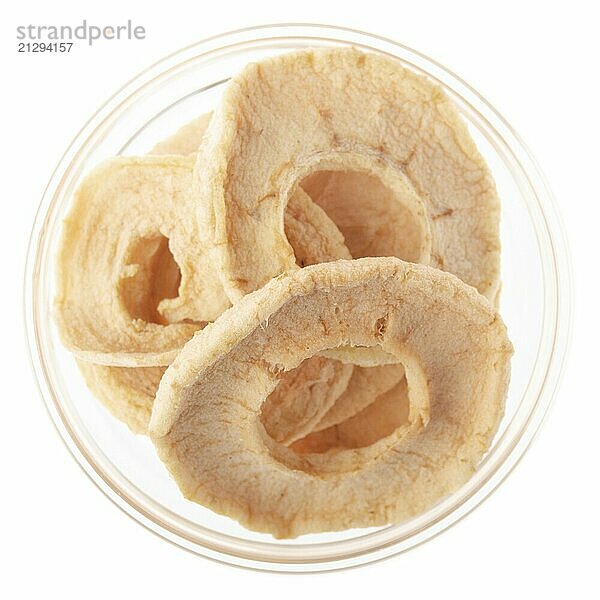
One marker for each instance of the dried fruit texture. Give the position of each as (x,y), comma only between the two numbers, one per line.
(128,393)
(134,283)
(300,119)
(375,220)
(303,395)
(364,387)
(206,423)
(185,140)
(376,421)
(313,236)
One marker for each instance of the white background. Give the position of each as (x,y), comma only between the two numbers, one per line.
(538,535)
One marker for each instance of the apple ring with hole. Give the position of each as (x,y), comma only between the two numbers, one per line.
(359,133)
(452,343)
(133,281)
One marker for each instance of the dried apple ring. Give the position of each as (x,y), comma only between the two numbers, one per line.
(134,283)
(128,392)
(206,423)
(285,119)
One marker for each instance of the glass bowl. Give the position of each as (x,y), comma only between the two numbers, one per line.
(535,305)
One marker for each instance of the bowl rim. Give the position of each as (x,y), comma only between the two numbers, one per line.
(557,308)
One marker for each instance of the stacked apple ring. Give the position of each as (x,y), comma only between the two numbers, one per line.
(294,297)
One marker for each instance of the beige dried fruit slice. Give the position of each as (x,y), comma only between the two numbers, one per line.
(378,420)
(128,393)
(134,283)
(297,120)
(206,423)
(375,220)
(312,235)
(302,398)
(364,387)
(186,140)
